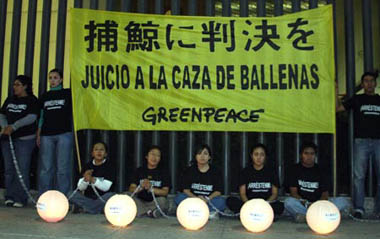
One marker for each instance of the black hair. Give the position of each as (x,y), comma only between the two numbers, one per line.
(26,80)
(259,145)
(153,147)
(309,144)
(374,74)
(100,142)
(60,73)
(198,150)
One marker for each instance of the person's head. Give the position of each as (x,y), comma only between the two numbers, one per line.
(153,157)
(203,155)
(258,155)
(22,86)
(55,78)
(308,154)
(99,151)
(368,82)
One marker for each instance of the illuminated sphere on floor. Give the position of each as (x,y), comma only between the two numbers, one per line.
(256,215)
(323,217)
(120,210)
(52,206)
(192,213)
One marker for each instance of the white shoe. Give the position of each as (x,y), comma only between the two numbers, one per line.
(213,215)
(18,205)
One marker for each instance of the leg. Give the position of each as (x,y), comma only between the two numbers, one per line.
(163,203)
(23,151)
(361,156)
(179,198)
(234,204)
(294,206)
(278,207)
(218,202)
(340,202)
(376,159)
(46,164)
(86,203)
(64,162)
(9,171)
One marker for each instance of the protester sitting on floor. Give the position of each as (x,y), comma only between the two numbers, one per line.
(98,177)
(308,184)
(152,179)
(202,180)
(257,181)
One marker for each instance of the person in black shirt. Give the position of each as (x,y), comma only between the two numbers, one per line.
(257,181)
(18,118)
(308,184)
(55,137)
(202,180)
(152,179)
(97,175)
(366,109)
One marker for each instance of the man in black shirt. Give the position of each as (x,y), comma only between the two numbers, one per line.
(308,184)
(366,109)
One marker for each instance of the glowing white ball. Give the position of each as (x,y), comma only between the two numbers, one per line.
(323,217)
(192,213)
(52,206)
(256,215)
(120,210)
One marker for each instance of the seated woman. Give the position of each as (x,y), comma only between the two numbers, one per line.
(202,180)
(97,175)
(257,181)
(151,174)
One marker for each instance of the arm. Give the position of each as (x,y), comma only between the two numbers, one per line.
(214,194)
(161,191)
(274,195)
(28,119)
(243,193)
(82,185)
(3,121)
(189,193)
(294,193)
(133,187)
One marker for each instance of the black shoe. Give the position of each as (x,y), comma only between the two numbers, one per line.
(358,215)
(75,209)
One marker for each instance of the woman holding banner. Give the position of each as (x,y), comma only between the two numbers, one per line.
(55,137)
(18,119)
(202,180)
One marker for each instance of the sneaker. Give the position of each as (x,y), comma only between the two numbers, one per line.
(213,215)
(149,213)
(300,218)
(156,213)
(18,205)
(9,203)
(358,215)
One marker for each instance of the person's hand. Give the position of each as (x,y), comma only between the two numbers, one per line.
(8,130)
(88,175)
(145,184)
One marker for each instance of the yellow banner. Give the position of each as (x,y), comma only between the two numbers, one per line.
(159,72)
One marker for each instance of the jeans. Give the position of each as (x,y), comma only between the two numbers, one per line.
(92,206)
(294,206)
(23,151)
(219,202)
(55,165)
(363,149)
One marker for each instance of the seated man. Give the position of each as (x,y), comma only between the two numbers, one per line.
(308,184)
